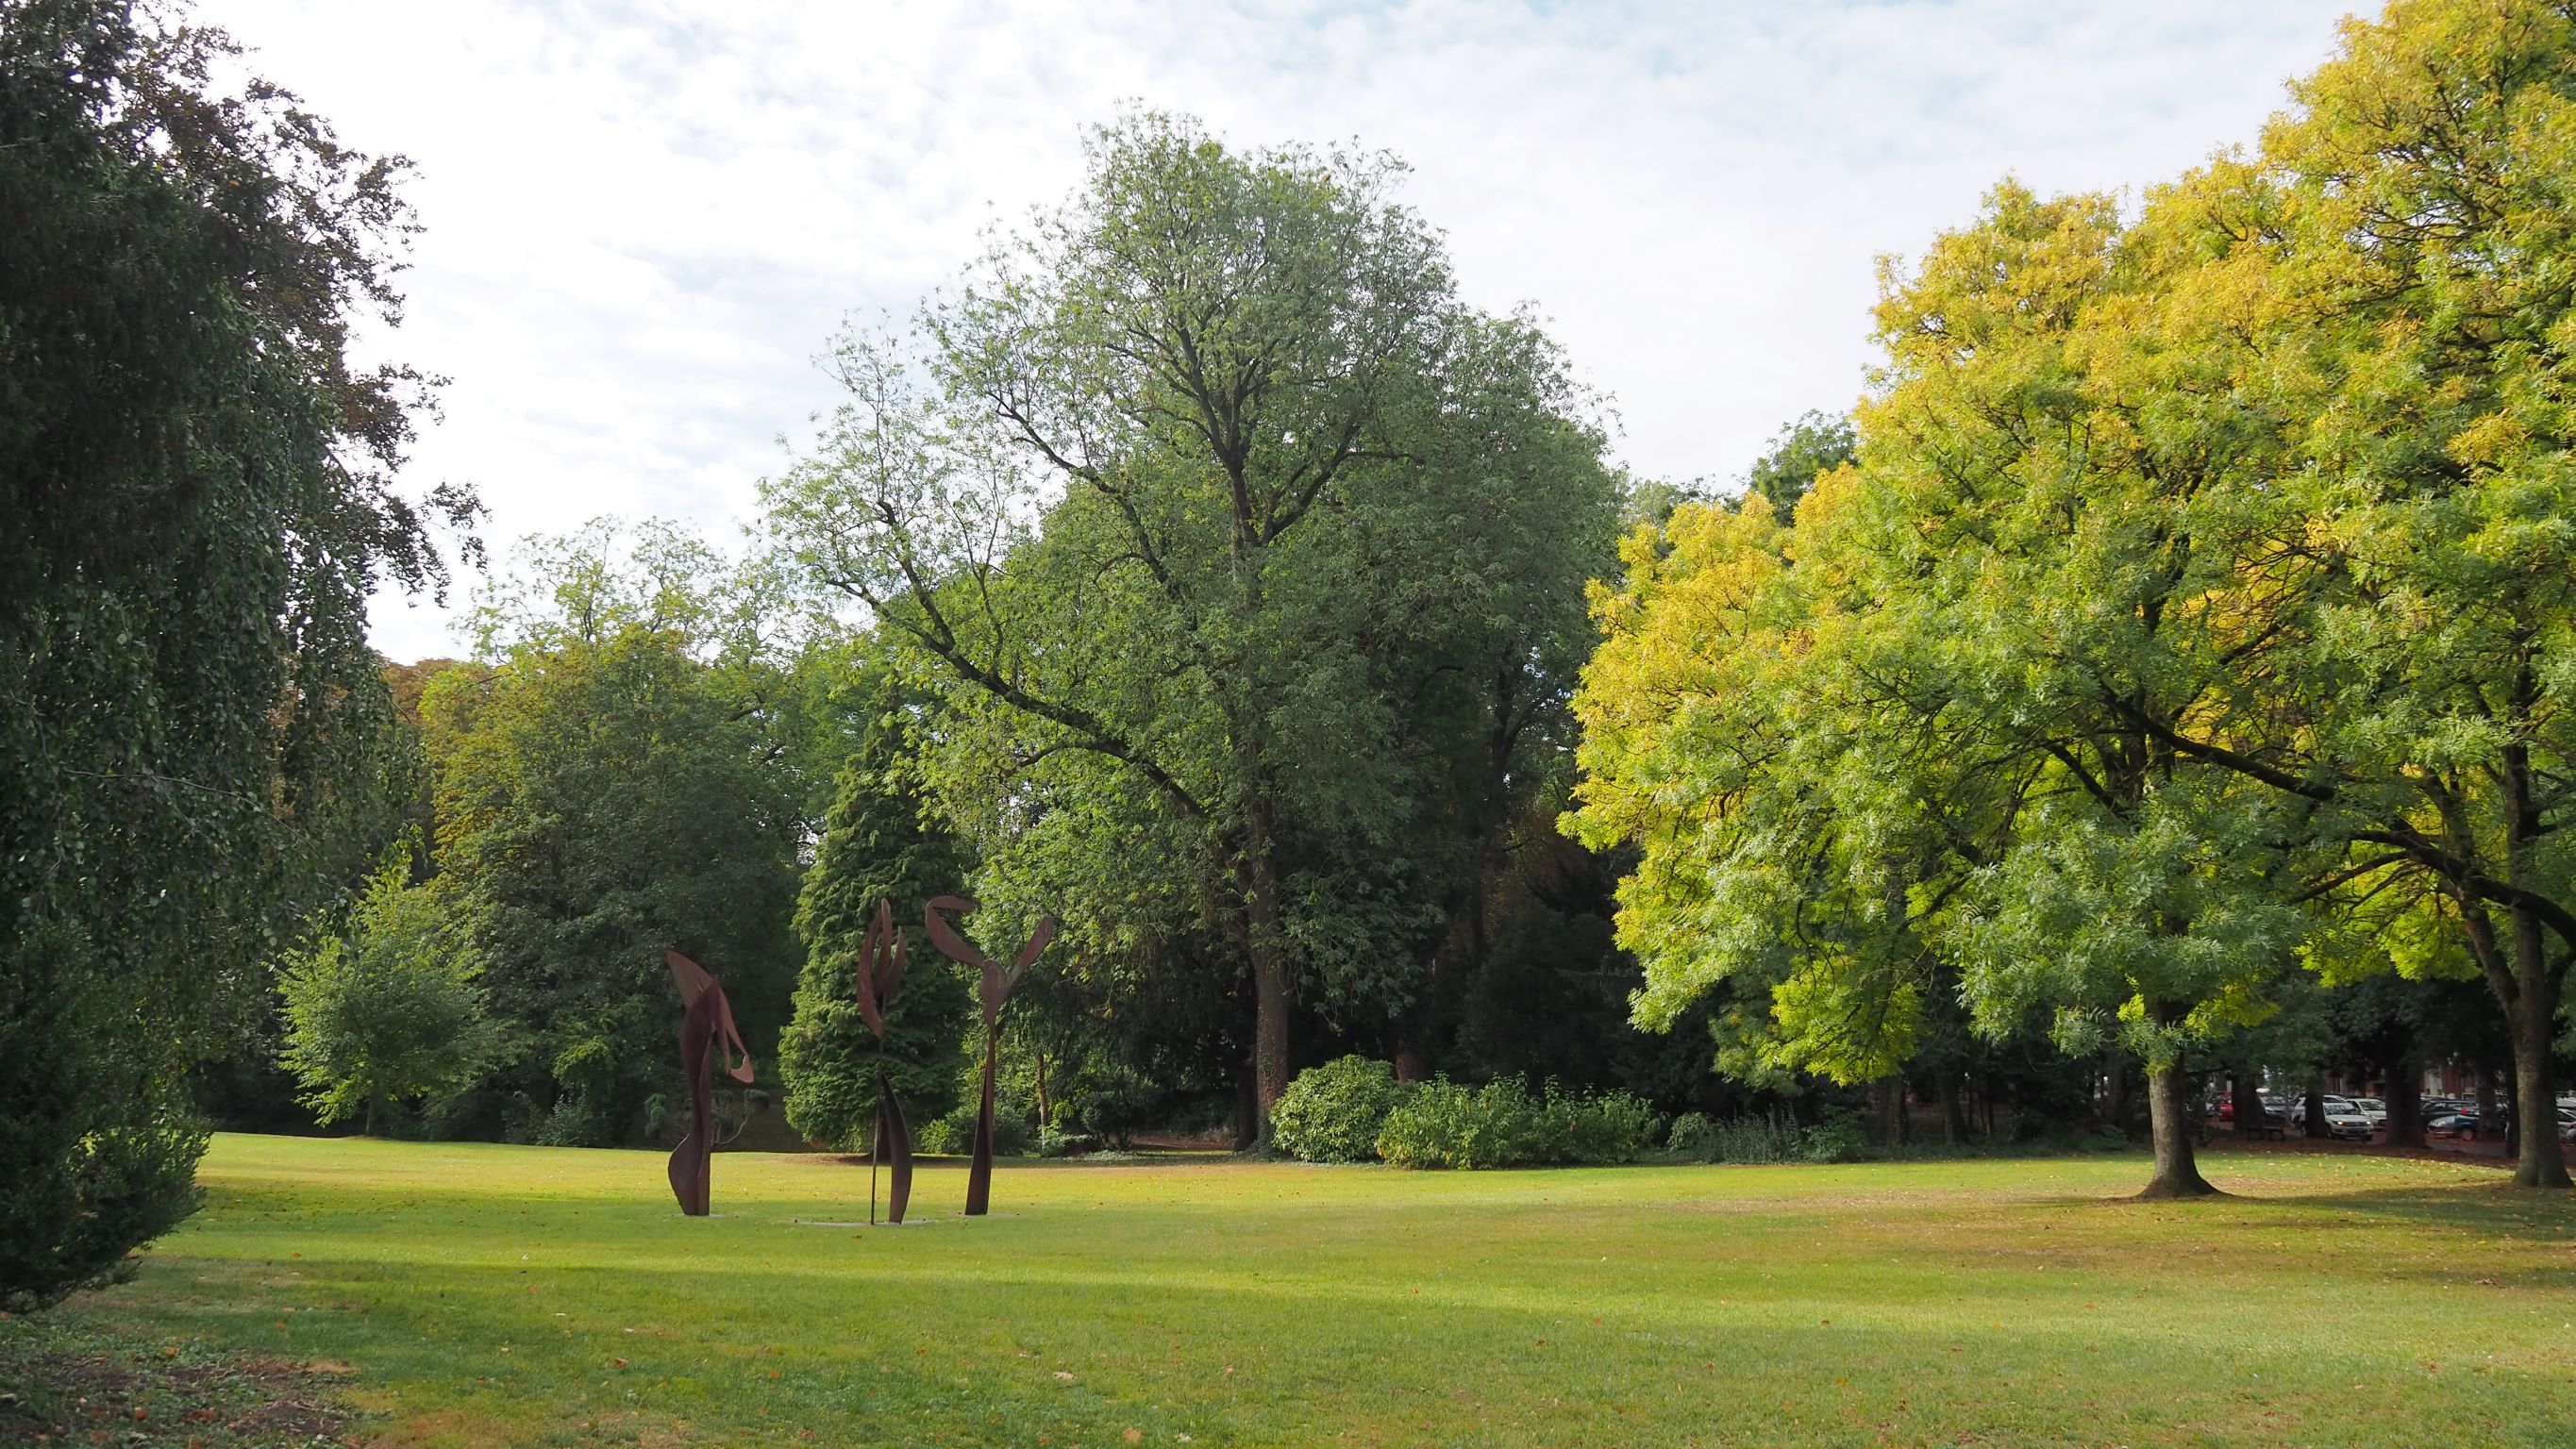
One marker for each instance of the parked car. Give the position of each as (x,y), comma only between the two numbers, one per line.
(2373,1110)
(2453,1124)
(2347,1121)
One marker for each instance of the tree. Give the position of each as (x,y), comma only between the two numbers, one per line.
(1172,698)
(1800,453)
(2361,348)
(610,785)
(876,847)
(1909,750)
(199,488)
(389,1011)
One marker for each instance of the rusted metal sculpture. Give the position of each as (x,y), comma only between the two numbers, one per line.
(880,971)
(996,989)
(706,1033)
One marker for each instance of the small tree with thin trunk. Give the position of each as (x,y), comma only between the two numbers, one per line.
(389,1012)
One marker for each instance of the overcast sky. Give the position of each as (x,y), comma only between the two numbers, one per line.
(643,221)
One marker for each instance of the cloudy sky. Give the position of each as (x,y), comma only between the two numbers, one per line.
(644,220)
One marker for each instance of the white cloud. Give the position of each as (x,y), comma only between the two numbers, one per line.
(644,219)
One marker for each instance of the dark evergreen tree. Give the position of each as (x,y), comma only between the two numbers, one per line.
(876,847)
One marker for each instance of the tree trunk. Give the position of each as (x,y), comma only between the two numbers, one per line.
(2169,1123)
(1954,1116)
(2540,1160)
(2405,1088)
(2532,1011)
(1037,1057)
(2245,1089)
(1269,966)
(2115,1090)
(2487,1113)
(2316,1126)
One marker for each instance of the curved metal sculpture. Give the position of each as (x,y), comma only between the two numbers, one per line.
(706,1032)
(995,990)
(880,971)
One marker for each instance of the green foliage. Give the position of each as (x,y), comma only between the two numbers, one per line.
(1771,1137)
(1593,1130)
(876,847)
(952,1134)
(1691,1135)
(1841,1137)
(1800,453)
(390,1011)
(1055,1142)
(1334,1112)
(194,753)
(103,1146)
(1243,559)
(1441,1123)
(610,785)
(2202,577)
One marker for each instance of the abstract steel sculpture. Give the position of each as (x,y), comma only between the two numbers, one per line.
(880,971)
(706,1031)
(996,989)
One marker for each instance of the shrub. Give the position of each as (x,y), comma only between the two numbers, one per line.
(1693,1135)
(952,1134)
(1054,1143)
(1839,1138)
(1504,1124)
(1593,1131)
(1444,1124)
(1756,1139)
(1333,1113)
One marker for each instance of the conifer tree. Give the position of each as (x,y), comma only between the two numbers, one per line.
(876,847)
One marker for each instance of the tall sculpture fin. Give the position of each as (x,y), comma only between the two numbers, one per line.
(707,1036)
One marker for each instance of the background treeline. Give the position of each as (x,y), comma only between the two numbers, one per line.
(2162,672)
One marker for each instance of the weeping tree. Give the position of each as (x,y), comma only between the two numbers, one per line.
(199,492)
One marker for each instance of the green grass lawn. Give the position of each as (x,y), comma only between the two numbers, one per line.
(525,1296)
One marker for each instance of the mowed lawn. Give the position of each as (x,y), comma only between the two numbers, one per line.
(527,1296)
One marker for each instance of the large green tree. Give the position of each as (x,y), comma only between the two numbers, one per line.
(1906,755)
(2252,518)
(198,487)
(611,783)
(2387,284)
(1180,697)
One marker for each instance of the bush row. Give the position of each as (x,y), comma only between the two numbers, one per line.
(1354,1110)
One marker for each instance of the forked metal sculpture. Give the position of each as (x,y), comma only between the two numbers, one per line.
(880,971)
(706,1033)
(996,989)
